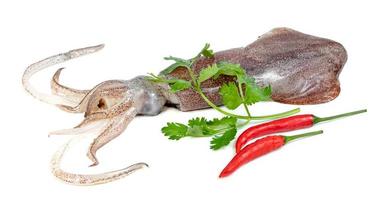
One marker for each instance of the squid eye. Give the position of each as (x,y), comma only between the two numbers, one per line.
(102,104)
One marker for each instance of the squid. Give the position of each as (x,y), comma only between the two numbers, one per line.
(301,69)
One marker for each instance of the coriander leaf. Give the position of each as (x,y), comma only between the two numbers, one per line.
(230,69)
(223,123)
(172,67)
(178,60)
(175,131)
(218,142)
(254,93)
(153,79)
(207,73)
(268,91)
(206,52)
(198,121)
(196,131)
(180,85)
(199,127)
(244,79)
(230,95)
(224,129)
(157,79)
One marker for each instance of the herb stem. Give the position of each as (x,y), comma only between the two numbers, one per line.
(193,78)
(244,104)
(274,116)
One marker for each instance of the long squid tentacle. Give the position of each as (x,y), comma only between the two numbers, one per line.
(89,127)
(88,179)
(81,105)
(95,93)
(116,126)
(62,90)
(107,125)
(80,96)
(108,108)
(50,61)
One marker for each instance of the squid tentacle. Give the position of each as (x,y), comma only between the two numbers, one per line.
(107,130)
(62,90)
(107,114)
(50,61)
(82,105)
(89,127)
(116,126)
(113,111)
(117,119)
(88,179)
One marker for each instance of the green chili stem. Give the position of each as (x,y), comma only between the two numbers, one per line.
(288,139)
(323,119)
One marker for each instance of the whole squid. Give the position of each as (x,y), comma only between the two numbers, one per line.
(301,69)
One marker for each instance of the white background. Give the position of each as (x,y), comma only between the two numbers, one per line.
(346,162)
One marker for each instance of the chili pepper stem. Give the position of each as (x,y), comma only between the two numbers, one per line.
(288,139)
(323,119)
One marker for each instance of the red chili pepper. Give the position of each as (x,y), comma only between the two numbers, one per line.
(284,125)
(259,148)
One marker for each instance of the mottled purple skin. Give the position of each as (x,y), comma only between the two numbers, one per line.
(302,69)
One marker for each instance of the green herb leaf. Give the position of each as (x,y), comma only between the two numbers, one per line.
(207,73)
(175,131)
(230,69)
(178,60)
(254,93)
(172,67)
(199,127)
(198,121)
(223,130)
(175,84)
(206,52)
(218,142)
(230,95)
(152,78)
(223,123)
(179,85)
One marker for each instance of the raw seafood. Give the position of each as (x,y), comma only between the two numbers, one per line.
(301,69)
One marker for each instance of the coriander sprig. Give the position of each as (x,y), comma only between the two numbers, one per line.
(243,91)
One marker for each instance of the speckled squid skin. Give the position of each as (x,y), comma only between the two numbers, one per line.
(302,69)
